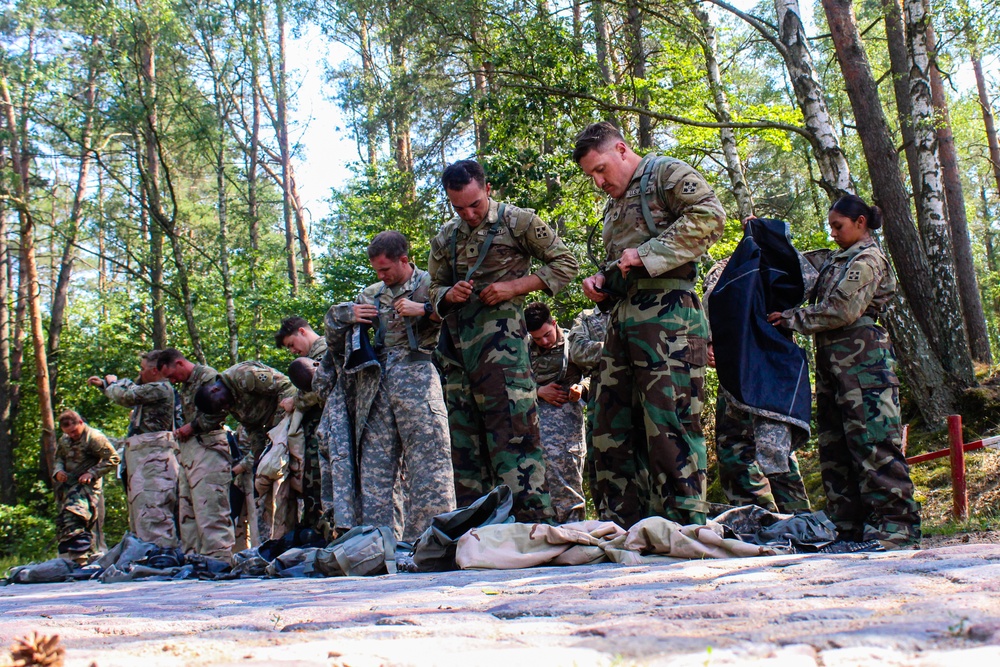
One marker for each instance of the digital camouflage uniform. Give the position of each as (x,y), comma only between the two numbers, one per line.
(405,436)
(867,481)
(561,428)
(586,344)
(204,476)
(311,406)
(77,525)
(488,386)
(736,437)
(649,449)
(150,459)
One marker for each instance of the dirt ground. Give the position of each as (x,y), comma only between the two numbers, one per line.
(938,606)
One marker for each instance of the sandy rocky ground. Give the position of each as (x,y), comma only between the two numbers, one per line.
(938,606)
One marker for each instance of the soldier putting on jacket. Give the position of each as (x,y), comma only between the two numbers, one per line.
(480,268)
(405,442)
(560,387)
(150,450)
(649,449)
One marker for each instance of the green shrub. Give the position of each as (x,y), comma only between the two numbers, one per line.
(25,536)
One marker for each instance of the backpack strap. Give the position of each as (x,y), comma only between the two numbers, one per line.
(647,215)
(389,547)
(380,331)
(485,248)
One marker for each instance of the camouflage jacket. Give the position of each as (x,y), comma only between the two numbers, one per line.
(685,211)
(257,390)
(152,404)
(394,328)
(711,280)
(852,283)
(92,453)
(201,423)
(586,339)
(521,236)
(554,364)
(304,400)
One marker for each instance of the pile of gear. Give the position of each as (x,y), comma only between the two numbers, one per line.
(480,536)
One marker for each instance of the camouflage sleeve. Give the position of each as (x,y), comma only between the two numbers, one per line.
(846,303)
(711,280)
(439,268)
(584,351)
(101,449)
(127,393)
(559,265)
(305,400)
(60,461)
(700,224)
(206,423)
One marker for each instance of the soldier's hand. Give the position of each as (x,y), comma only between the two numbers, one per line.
(85,478)
(630,257)
(711,356)
(365,313)
(287,404)
(110,379)
(61,476)
(238,469)
(575,393)
(95,381)
(553,394)
(184,432)
(497,293)
(459,292)
(408,308)
(591,286)
(776,319)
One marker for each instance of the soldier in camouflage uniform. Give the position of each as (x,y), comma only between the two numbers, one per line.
(867,482)
(205,467)
(406,435)
(586,344)
(83,457)
(661,218)
(150,450)
(742,479)
(298,337)
(560,386)
(480,266)
(252,393)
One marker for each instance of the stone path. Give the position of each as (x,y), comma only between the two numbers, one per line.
(932,607)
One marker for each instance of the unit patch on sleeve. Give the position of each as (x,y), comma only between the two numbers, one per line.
(853,275)
(541,232)
(689,188)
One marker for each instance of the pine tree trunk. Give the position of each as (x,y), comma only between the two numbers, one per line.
(734,165)
(279,82)
(368,79)
(637,56)
(8,492)
(926,301)
(965,269)
(987,109)
(896,38)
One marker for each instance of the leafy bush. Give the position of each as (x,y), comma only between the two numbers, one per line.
(25,536)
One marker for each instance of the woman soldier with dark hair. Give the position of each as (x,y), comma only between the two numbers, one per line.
(867,482)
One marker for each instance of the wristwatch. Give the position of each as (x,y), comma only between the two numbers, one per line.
(428,309)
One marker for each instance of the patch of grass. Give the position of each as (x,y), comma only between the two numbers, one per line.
(980,523)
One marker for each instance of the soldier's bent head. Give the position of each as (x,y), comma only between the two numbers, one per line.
(213,398)
(290,326)
(540,324)
(459,174)
(301,373)
(389,244)
(595,137)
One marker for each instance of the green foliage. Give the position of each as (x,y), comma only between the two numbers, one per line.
(24,536)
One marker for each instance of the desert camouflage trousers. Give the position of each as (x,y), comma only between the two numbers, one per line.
(562,434)
(491,409)
(648,446)
(151,462)
(205,474)
(742,480)
(312,504)
(406,447)
(867,481)
(78,521)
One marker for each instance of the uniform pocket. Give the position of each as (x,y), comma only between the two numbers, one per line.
(520,399)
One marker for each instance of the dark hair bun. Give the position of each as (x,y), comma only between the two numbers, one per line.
(875,221)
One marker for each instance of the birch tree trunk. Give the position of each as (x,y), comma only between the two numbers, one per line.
(734,165)
(836,176)
(931,217)
(965,269)
(8,492)
(895,35)
(926,300)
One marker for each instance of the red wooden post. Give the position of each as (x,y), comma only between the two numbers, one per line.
(960,496)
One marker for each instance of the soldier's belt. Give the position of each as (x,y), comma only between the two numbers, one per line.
(836,335)
(664,284)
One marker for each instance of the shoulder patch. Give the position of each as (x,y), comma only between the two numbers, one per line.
(853,275)
(689,187)
(541,232)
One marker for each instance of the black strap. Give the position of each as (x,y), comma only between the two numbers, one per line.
(494,229)
(411,336)
(647,215)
